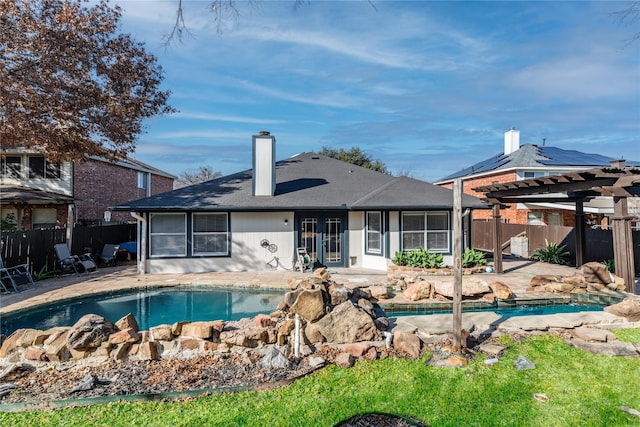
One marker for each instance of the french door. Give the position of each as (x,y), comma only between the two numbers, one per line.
(323,236)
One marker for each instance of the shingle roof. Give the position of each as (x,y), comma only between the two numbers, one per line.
(530,155)
(307,181)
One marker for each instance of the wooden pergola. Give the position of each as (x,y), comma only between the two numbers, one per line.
(616,181)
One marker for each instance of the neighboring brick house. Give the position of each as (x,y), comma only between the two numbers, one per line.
(99,184)
(532,161)
(36,193)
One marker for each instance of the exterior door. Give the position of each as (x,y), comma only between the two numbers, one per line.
(323,236)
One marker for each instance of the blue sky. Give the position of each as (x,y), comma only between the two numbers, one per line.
(426,87)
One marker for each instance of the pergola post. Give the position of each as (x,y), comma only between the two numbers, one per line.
(497,239)
(580,233)
(623,243)
(457,263)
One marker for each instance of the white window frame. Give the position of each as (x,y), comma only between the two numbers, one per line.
(369,233)
(167,234)
(9,172)
(50,170)
(144,182)
(534,218)
(195,234)
(426,232)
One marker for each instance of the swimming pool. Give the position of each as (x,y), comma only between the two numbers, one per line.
(518,310)
(150,306)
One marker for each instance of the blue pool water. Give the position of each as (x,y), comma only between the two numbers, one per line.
(521,310)
(151,307)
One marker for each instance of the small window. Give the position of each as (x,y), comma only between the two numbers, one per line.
(168,234)
(12,166)
(533,174)
(534,218)
(374,232)
(210,234)
(143,180)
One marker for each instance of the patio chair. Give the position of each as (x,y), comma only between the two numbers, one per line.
(109,254)
(74,263)
(15,276)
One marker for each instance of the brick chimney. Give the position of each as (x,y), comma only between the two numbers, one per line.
(264,164)
(511,141)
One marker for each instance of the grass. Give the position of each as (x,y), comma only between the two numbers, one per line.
(583,389)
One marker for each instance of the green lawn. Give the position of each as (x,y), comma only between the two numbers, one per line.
(584,390)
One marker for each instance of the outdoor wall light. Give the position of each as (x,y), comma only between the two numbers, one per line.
(286,221)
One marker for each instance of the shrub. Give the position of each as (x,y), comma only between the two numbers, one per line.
(420,258)
(399,258)
(9,223)
(610,264)
(552,253)
(472,258)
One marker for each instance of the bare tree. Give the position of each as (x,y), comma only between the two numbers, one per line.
(629,16)
(196,176)
(225,13)
(70,83)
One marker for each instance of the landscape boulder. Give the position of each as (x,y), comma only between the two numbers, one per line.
(89,332)
(128,322)
(419,290)
(379,292)
(407,343)
(595,272)
(346,323)
(469,288)
(629,308)
(501,291)
(309,305)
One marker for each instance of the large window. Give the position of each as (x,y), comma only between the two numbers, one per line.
(425,229)
(168,234)
(374,232)
(40,168)
(210,234)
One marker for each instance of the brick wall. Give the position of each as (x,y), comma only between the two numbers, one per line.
(98,185)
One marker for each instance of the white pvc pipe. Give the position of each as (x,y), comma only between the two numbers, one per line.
(296,338)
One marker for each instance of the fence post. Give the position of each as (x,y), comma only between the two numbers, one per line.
(579,226)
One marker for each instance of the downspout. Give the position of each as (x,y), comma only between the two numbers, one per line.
(142,243)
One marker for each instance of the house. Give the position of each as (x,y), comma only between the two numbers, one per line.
(36,193)
(519,162)
(344,215)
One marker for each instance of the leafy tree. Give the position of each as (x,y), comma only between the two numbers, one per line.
(355,156)
(71,85)
(196,176)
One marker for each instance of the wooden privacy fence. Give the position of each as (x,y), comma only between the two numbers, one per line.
(35,247)
(598,242)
